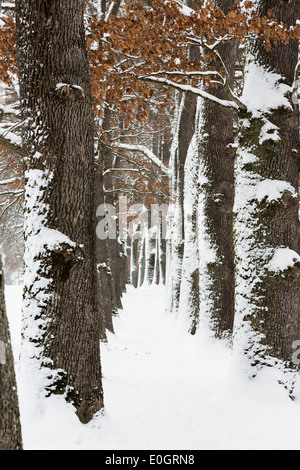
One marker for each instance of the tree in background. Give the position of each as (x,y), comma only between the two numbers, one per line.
(266,223)
(134,62)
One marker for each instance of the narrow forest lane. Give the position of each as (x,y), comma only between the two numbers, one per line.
(166,389)
(163,389)
(153,391)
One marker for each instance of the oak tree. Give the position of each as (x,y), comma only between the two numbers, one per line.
(61,296)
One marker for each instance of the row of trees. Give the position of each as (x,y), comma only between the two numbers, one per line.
(246,278)
(73,281)
(234,161)
(190,104)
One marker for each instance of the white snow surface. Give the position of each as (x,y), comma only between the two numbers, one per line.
(282,259)
(163,389)
(262,90)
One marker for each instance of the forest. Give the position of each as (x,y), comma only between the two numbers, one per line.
(149,224)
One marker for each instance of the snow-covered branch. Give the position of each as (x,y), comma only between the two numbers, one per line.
(226,79)
(145,151)
(234,103)
(195,73)
(8,181)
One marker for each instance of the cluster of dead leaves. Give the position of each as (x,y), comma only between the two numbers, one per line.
(144,41)
(8,65)
(156,39)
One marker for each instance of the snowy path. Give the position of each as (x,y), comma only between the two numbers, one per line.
(152,387)
(163,389)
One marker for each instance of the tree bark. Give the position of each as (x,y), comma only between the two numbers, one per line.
(217,157)
(190,283)
(182,137)
(134,262)
(103,262)
(142,261)
(267,224)
(162,247)
(61,297)
(10,426)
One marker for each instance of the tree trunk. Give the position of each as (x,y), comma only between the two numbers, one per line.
(189,307)
(61,297)
(183,134)
(162,251)
(150,244)
(267,224)
(10,427)
(103,264)
(142,261)
(217,157)
(110,243)
(134,262)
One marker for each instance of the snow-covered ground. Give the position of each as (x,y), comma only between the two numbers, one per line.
(163,389)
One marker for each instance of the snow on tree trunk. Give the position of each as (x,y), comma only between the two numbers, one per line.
(182,135)
(10,427)
(61,331)
(150,243)
(190,283)
(162,248)
(142,259)
(103,264)
(134,271)
(266,208)
(216,199)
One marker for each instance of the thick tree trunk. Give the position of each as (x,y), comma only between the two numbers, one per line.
(112,241)
(217,157)
(109,245)
(107,161)
(61,295)
(267,224)
(189,307)
(181,140)
(103,263)
(10,427)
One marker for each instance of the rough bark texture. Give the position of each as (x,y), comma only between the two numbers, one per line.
(108,246)
(218,159)
(281,162)
(59,139)
(273,308)
(112,291)
(10,427)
